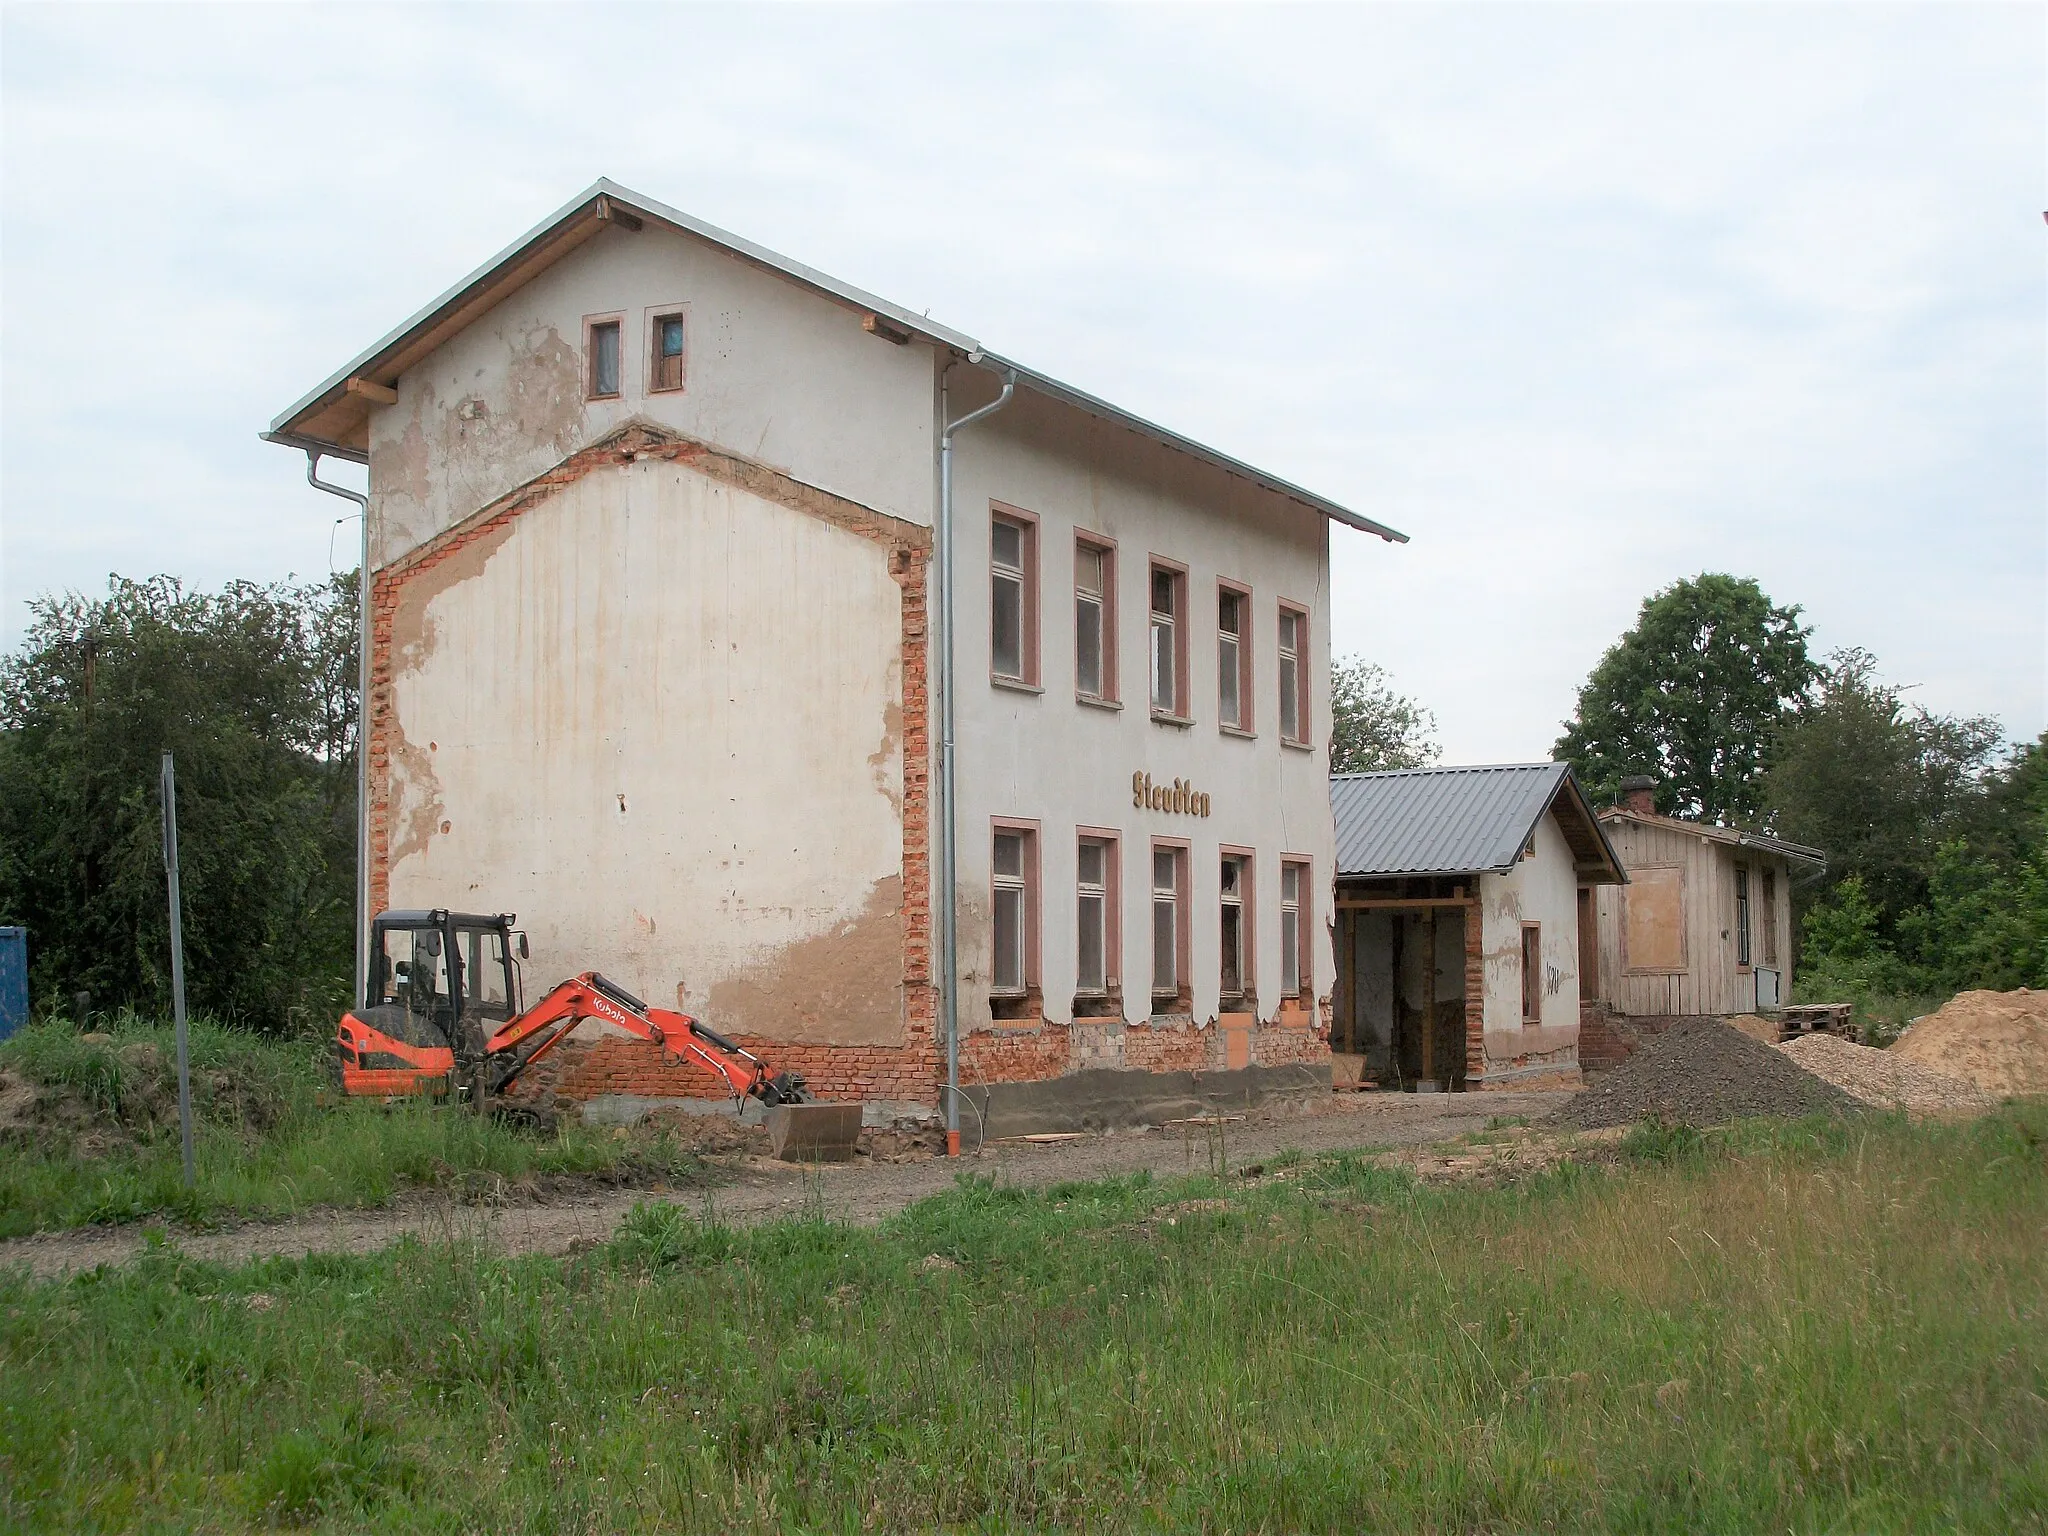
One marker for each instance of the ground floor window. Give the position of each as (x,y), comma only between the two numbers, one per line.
(1294,966)
(1014,907)
(1095,914)
(1234,924)
(1169,896)
(1532,973)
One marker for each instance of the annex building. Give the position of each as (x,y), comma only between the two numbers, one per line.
(658,526)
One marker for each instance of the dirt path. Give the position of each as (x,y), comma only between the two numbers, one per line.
(763,1190)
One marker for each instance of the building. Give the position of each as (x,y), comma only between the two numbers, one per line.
(1464,903)
(657,520)
(1704,925)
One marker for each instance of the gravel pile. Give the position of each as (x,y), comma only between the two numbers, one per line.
(1891,1082)
(1701,1072)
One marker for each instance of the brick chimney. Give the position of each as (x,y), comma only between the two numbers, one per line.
(1639,794)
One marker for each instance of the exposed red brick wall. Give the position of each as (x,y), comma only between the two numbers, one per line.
(1171,1048)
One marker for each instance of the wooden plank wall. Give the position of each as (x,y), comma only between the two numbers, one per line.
(1711,981)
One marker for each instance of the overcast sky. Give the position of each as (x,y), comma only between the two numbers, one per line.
(1584,299)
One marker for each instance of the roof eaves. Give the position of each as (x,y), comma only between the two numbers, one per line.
(1719,834)
(1096,406)
(920,325)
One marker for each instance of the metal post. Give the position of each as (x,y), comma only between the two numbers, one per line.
(170,802)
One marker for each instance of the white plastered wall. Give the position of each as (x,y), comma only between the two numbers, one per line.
(1046,757)
(1540,889)
(659,717)
(776,375)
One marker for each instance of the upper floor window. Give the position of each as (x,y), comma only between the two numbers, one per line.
(1013,598)
(1169,641)
(1233,658)
(604,355)
(1294,694)
(667,349)
(1094,620)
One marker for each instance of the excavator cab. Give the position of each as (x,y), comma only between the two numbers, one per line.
(441,983)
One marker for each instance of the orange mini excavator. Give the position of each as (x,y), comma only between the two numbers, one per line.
(444,1016)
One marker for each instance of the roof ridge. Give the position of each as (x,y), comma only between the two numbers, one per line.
(1395,773)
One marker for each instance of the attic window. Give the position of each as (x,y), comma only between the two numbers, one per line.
(667,352)
(602,353)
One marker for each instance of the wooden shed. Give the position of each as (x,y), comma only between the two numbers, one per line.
(1704,925)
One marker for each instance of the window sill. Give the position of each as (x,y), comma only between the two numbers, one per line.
(1178,722)
(1238,731)
(1094,703)
(1014,685)
(1298,746)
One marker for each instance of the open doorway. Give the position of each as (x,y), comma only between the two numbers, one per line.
(1399,1020)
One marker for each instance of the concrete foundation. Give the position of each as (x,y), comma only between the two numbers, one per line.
(1104,1100)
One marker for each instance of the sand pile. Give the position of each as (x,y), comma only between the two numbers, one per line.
(1998,1040)
(1888,1081)
(1702,1072)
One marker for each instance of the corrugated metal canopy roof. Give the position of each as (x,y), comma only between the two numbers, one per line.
(333,418)
(1460,821)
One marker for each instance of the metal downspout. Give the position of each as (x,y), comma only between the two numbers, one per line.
(362,724)
(945,884)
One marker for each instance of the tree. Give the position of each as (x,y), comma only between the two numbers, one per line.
(253,689)
(1877,783)
(1694,696)
(1373,728)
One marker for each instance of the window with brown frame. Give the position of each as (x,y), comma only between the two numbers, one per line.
(1294,691)
(1013,599)
(666,352)
(1169,642)
(1094,620)
(604,359)
(1236,924)
(1296,975)
(1741,916)
(1169,921)
(1233,657)
(1014,909)
(1769,917)
(1532,973)
(1095,908)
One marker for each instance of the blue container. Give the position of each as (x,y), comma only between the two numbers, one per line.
(13,980)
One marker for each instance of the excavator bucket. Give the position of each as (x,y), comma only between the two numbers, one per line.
(813,1133)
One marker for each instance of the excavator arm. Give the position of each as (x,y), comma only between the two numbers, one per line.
(524,1040)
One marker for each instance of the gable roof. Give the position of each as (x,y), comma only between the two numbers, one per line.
(334,417)
(1462,821)
(1733,837)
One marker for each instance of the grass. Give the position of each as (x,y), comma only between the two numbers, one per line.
(265,1142)
(1821,1326)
